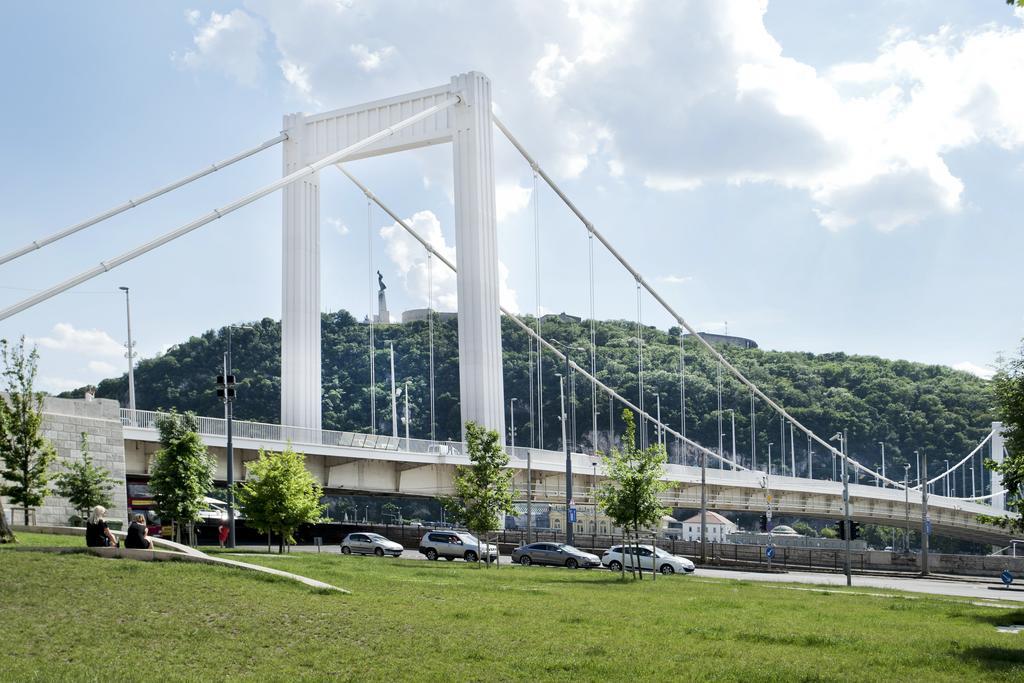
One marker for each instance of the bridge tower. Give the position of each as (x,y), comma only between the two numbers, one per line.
(467,125)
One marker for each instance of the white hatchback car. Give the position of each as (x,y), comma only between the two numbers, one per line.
(649,558)
(367,543)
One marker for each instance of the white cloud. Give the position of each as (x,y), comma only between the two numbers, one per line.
(675,279)
(192,16)
(230,43)
(370,60)
(410,259)
(974,369)
(337,225)
(685,95)
(101,367)
(297,77)
(510,198)
(86,342)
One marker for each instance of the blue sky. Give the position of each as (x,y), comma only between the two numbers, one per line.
(822,175)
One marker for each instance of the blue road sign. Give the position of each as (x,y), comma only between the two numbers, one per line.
(1007,577)
(572,515)
(770,552)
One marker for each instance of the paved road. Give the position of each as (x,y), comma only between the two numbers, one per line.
(963,587)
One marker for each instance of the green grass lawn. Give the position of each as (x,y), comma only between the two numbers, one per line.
(49,540)
(84,618)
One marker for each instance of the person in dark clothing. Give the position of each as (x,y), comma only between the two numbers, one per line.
(137,534)
(97,533)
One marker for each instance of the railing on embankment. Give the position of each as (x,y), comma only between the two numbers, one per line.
(718,554)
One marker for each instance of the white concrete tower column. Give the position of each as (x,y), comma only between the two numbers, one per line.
(300,286)
(998,502)
(482,395)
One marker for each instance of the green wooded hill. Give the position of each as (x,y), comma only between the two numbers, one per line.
(905,405)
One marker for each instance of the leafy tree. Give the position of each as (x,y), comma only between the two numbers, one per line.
(392,512)
(483,490)
(829,532)
(182,472)
(84,484)
(1009,390)
(6,534)
(279,494)
(25,453)
(629,496)
(1018,3)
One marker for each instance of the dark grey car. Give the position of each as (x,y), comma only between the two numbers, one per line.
(558,554)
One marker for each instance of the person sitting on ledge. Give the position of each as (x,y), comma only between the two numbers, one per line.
(97,533)
(137,536)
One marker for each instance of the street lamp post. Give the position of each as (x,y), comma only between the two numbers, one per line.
(529,471)
(130,354)
(568,461)
(660,433)
(906,503)
(882,444)
(841,436)
(925,521)
(945,479)
(394,398)
(770,444)
(407,442)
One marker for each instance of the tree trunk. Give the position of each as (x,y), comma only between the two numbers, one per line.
(25,509)
(268,543)
(6,535)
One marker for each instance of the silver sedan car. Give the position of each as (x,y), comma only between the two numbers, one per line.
(558,554)
(368,543)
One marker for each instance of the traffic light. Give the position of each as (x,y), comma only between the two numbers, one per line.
(854,531)
(841,529)
(763,525)
(226,387)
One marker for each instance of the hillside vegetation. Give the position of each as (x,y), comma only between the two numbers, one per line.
(906,405)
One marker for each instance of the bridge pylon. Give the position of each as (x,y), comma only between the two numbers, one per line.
(467,125)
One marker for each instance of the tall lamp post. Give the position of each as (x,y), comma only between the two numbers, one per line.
(926,522)
(226,391)
(906,503)
(841,437)
(529,471)
(394,397)
(770,444)
(569,502)
(130,354)
(407,443)
(882,444)
(732,415)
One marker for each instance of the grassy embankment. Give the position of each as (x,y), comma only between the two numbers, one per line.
(76,617)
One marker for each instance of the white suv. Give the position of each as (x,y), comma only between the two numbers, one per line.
(666,562)
(452,544)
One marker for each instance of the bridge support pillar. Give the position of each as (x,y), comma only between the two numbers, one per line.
(481,387)
(998,502)
(300,287)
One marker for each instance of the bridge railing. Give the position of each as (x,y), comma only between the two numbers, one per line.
(263,431)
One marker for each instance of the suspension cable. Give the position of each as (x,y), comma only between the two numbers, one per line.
(536,311)
(138,201)
(593,344)
(430,334)
(309,170)
(668,308)
(524,326)
(959,464)
(369,297)
(640,363)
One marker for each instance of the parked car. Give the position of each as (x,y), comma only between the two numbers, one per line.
(452,544)
(366,543)
(667,563)
(558,554)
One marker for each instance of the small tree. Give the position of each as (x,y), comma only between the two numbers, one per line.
(84,484)
(182,472)
(629,496)
(392,511)
(483,490)
(279,494)
(25,453)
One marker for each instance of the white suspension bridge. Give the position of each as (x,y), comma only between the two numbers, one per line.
(460,113)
